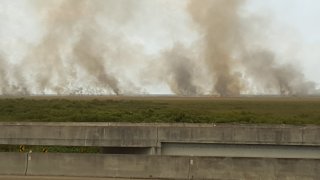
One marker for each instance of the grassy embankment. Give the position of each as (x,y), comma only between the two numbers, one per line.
(171,110)
(190,110)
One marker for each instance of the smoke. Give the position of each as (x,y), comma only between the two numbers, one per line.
(91,61)
(92,47)
(74,49)
(3,78)
(72,23)
(286,78)
(180,71)
(11,87)
(220,27)
(226,52)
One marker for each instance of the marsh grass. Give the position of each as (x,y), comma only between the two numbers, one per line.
(177,110)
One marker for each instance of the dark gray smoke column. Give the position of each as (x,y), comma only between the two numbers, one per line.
(219,26)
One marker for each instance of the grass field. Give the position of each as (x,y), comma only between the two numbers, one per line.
(270,110)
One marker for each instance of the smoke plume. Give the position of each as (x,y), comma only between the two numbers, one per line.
(73,49)
(180,71)
(287,79)
(220,27)
(225,50)
(84,48)
(3,78)
(72,22)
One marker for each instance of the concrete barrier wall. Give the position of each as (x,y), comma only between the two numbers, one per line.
(152,135)
(80,134)
(240,150)
(242,134)
(172,167)
(254,168)
(311,135)
(126,166)
(13,163)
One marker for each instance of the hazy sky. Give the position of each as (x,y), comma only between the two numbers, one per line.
(292,27)
(301,18)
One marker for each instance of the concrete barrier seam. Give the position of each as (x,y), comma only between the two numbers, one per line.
(157,141)
(189,167)
(27,164)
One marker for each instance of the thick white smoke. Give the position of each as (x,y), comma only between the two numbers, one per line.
(192,47)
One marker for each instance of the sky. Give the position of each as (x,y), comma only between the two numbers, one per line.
(292,28)
(301,18)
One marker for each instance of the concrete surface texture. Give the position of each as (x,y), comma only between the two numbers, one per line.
(13,163)
(241,150)
(128,166)
(152,135)
(56,178)
(167,167)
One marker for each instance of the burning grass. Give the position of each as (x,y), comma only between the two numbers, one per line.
(294,110)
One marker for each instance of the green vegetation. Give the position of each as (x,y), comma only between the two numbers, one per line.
(191,110)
